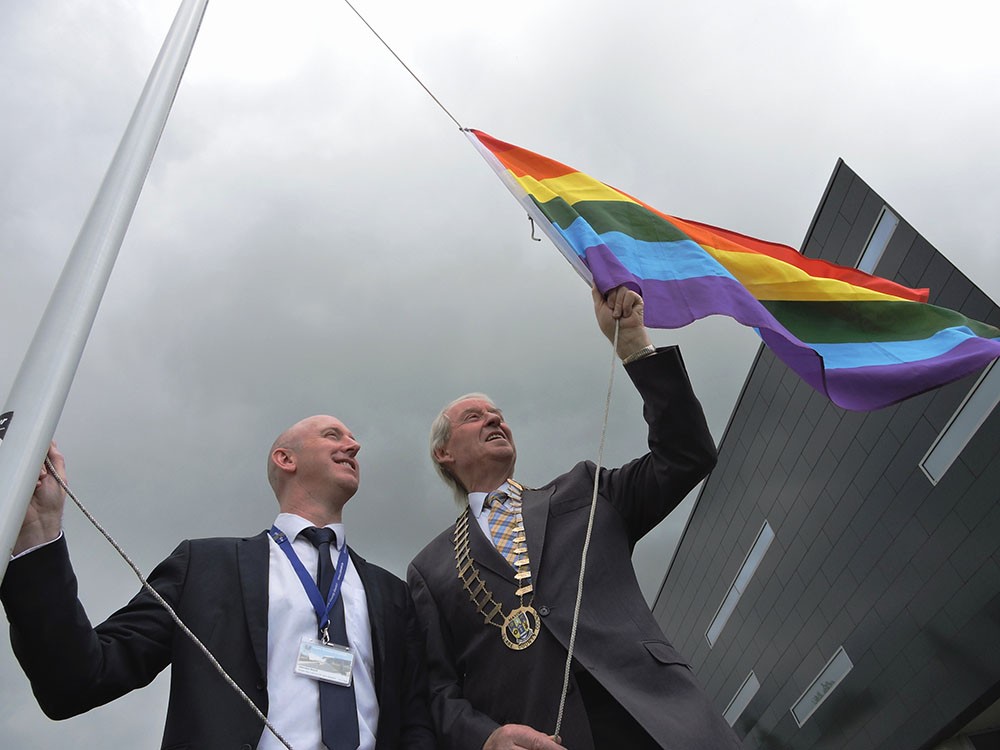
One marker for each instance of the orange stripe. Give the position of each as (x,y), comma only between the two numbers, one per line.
(522,162)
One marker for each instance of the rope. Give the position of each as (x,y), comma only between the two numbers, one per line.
(586,542)
(604,427)
(170,610)
(400,61)
(586,539)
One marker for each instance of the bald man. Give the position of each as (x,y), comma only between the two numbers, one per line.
(339,670)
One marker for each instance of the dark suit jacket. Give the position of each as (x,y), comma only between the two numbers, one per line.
(477,683)
(219,589)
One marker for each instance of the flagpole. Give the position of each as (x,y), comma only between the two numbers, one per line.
(29,416)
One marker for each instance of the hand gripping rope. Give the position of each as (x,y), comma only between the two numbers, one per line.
(163,602)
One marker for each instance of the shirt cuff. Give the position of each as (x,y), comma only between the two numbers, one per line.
(37,546)
(646,351)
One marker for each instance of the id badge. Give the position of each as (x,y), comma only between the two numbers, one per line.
(327,662)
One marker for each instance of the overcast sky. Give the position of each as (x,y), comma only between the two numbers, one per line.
(316,236)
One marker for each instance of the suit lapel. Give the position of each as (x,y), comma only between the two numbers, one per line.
(535,512)
(376,613)
(253,557)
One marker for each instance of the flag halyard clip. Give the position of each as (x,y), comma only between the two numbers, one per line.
(536,239)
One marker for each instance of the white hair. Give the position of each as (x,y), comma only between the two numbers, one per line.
(440,434)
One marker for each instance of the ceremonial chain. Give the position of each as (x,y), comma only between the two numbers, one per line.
(520,627)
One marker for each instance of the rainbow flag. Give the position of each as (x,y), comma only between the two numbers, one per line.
(864,341)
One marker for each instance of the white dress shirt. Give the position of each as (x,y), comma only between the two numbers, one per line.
(293,699)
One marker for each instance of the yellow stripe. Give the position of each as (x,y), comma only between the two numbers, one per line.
(572,188)
(770,279)
(765,277)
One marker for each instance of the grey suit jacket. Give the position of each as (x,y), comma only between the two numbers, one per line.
(219,589)
(477,683)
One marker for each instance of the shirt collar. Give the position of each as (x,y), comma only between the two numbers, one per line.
(478,499)
(291,525)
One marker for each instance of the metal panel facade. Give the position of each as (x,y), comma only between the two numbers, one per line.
(868,554)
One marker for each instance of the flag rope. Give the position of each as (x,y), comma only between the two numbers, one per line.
(586,539)
(163,603)
(400,61)
(604,427)
(586,542)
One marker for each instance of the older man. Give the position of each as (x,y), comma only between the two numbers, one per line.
(333,662)
(496,592)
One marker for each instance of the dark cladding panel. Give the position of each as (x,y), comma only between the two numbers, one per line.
(912,271)
(896,251)
(860,230)
(840,183)
(868,554)
(851,204)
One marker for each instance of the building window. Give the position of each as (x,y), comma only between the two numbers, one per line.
(977,405)
(743,577)
(825,683)
(742,699)
(878,240)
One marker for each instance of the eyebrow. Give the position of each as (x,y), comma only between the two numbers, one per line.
(489,409)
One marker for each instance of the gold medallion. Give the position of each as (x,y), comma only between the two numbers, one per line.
(520,628)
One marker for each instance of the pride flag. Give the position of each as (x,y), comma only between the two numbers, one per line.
(864,341)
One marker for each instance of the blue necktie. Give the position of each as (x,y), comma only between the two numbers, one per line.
(338,708)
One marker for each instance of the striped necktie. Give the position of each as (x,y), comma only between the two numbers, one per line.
(507,532)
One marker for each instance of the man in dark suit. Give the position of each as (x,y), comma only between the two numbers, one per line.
(496,592)
(247,603)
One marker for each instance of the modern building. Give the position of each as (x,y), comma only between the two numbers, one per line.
(838,581)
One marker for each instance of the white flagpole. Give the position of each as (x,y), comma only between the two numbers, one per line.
(37,397)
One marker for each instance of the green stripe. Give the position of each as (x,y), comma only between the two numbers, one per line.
(871,320)
(612,216)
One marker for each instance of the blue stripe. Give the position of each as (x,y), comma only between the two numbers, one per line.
(843,356)
(662,261)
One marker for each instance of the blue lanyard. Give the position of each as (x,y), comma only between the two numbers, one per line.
(312,589)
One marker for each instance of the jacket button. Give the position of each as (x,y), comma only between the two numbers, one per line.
(543,610)
(245,747)
(261,684)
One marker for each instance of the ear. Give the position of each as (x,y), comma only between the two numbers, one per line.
(443,457)
(284,459)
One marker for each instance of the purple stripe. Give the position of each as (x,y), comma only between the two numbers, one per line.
(801,358)
(674,304)
(866,388)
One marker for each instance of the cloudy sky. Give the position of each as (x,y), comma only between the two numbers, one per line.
(316,236)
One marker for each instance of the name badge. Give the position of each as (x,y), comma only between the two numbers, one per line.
(328,662)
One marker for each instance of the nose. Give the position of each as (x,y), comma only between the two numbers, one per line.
(492,418)
(353,447)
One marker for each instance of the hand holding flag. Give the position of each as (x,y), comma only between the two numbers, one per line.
(622,306)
